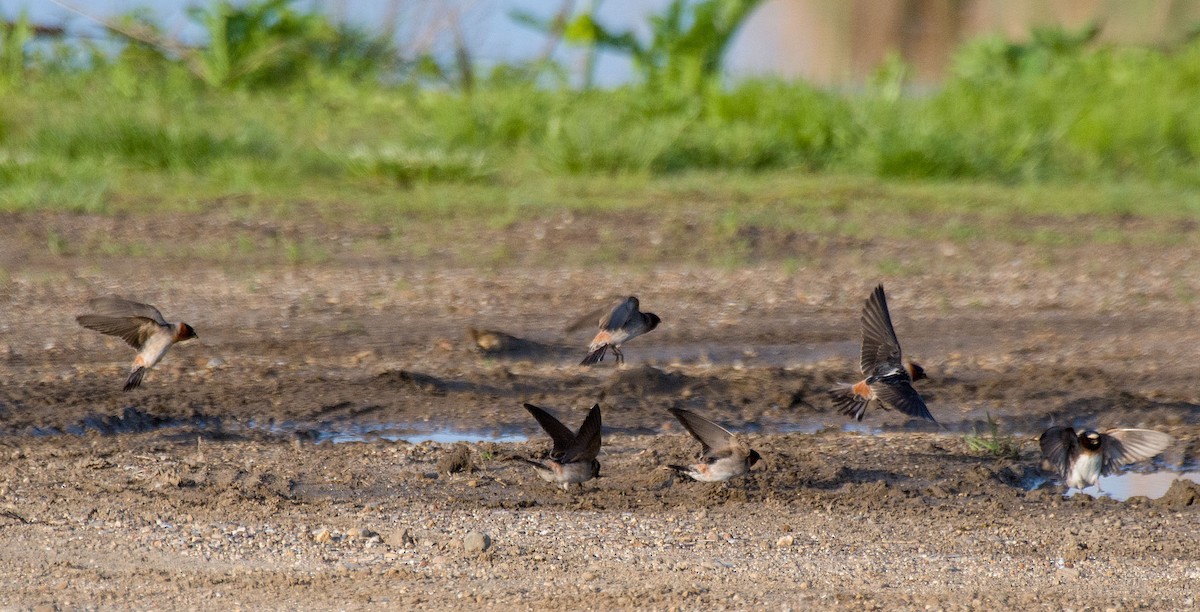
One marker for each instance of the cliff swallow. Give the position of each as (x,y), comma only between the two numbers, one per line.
(888,380)
(722,454)
(622,324)
(573,457)
(1082,458)
(141,326)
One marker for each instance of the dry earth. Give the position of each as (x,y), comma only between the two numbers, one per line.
(258,466)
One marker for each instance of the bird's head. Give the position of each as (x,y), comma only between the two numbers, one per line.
(652,320)
(915,371)
(1090,440)
(185,333)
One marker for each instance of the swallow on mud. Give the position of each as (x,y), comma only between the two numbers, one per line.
(888,380)
(141,326)
(573,457)
(1082,458)
(622,324)
(722,454)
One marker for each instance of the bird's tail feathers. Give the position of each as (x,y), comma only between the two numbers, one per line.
(135,379)
(535,464)
(595,356)
(848,402)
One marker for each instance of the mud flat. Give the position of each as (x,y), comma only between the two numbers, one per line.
(269,463)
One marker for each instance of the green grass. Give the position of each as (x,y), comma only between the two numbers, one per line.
(1045,144)
(1121,117)
(992,442)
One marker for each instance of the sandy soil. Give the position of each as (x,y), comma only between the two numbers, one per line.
(216,485)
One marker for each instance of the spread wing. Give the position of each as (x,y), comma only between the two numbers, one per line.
(117,307)
(133,330)
(1122,446)
(1058,445)
(879,343)
(619,315)
(563,438)
(715,441)
(588,319)
(587,440)
(899,394)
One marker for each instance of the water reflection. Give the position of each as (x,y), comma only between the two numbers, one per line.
(1134,484)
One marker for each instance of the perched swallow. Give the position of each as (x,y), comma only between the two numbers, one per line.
(573,457)
(1081,459)
(888,379)
(624,323)
(141,326)
(722,454)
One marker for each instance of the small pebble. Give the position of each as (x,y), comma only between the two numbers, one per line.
(400,538)
(360,533)
(476,542)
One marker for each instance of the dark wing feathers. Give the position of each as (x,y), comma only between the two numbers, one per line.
(715,441)
(900,395)
(116,307)
(133,330)
(619,315)
(1122,446)
(563,438)
(1058,445)
(879,343)
(587,440)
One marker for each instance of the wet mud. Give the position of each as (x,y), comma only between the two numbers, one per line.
(341,436)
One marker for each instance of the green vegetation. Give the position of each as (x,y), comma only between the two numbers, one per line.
(992,443)
(687,41)
(283,105)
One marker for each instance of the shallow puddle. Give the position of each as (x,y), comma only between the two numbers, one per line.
(772,355)
(444,436)
(395,432)
(819,426)
(1133,484)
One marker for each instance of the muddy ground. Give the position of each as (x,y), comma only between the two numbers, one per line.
(219,484)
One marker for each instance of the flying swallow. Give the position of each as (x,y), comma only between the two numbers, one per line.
(141,326)
(622,324)
(573,457)
(888,380)
(1082,458)
(722,454)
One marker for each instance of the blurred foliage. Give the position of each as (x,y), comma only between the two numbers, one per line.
(687,42)
(268,43)
(14,38)
(278,96)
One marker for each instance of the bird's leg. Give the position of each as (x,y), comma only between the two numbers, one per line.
(620,358)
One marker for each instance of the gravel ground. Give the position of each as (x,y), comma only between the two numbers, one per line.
(217,486)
